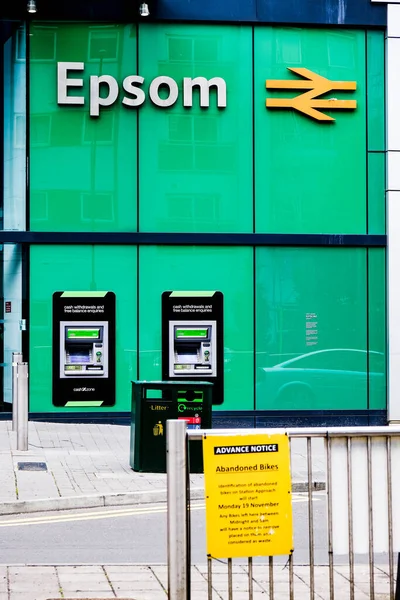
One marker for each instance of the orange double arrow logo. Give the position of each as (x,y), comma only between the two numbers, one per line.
(308,103)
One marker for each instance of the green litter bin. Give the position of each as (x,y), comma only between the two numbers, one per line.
(153,403)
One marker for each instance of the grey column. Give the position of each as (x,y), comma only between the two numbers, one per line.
(22,411)
(16,359)
(177,515)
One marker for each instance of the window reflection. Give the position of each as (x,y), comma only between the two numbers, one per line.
(312,349)
(13,148)
(183,48)
(305,381)
(185,208)
(103,44)
(200,158)
(46,49)
(81,167)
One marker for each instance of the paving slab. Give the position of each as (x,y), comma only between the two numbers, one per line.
(84,595)
(101,581)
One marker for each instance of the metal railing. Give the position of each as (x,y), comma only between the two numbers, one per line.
(359,526)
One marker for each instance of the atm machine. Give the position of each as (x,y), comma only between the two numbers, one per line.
(83,349)
(192,349)
(192,338)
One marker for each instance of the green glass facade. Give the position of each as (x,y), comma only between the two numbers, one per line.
(304,323)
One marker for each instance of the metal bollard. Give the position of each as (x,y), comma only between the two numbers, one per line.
(16,359)
(22,410)
(178,532)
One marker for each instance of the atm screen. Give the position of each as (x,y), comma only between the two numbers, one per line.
(198,334)
(92,333)
(80,355)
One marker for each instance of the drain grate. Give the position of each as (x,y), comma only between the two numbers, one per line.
(32,466)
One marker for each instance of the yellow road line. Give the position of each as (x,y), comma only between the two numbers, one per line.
(87,517)
(109,514)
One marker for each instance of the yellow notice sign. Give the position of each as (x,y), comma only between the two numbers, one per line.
(248,495)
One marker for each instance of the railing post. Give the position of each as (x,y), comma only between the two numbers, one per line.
(177,511)
(22,410)
(16,359)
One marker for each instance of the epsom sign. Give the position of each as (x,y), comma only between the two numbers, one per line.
(134,94)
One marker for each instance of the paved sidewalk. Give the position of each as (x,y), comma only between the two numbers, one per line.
(150,582)
(88,466)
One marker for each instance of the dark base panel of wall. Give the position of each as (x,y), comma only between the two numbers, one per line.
(230,419)
(299,418)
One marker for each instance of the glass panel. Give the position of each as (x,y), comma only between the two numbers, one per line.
(101,268)
(14,128)
(5,380)
(311,323)
(376,89)
(201,268)
(83,169)
(377,328)
(11,312)
(196,163)
(376,193)
(310,175)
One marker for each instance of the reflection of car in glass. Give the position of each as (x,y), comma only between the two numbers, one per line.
(323,378)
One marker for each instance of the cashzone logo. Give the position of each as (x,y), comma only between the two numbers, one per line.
(134,94)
